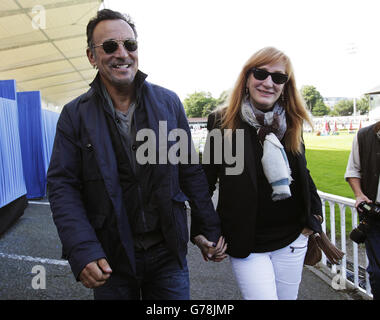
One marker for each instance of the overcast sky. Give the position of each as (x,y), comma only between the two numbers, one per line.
(201,45)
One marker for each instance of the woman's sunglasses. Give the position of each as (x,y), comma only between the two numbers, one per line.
(110,46)
(277,77)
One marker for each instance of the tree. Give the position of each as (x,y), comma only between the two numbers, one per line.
(223,98)
(199,104)
(362,105)
(320,109)
(221,101)
(312,96)
(344,107)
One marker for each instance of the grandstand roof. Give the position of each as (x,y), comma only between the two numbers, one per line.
(43,46)
(374,90)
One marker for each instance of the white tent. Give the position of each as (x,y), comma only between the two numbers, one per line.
(43,47)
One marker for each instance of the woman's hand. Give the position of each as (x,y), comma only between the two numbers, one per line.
(307,232)
(211,250)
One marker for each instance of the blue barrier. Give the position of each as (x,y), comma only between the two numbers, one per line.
(8,89)
(26,141)
(12,183)
(49,124)
(30,126)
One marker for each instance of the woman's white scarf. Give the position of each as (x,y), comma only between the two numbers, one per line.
(271,127)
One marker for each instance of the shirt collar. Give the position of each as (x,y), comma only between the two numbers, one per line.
(100,88)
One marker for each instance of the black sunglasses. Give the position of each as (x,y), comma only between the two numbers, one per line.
(110,46)
(277,77)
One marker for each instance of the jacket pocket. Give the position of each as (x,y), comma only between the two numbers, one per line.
(180,217)
(89,164)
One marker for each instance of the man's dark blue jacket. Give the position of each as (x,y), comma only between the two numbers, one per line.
(84,185)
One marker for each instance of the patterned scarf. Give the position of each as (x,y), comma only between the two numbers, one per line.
(265,122)
(271,127)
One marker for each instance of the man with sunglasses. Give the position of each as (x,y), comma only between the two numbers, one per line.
(123,224)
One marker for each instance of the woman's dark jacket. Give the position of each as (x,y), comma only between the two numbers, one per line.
(238,194)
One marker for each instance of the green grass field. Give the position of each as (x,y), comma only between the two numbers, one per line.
(327,158)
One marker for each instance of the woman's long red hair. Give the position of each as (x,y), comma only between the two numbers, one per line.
(294,105)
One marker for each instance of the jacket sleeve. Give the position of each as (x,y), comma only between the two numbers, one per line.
(315,202)
(210,168)
(193,182)
(80,244)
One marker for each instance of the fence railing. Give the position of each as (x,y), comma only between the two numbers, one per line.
(350,271)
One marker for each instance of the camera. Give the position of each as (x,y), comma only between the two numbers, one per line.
(366,212)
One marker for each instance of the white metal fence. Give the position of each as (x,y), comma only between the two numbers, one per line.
(352,268)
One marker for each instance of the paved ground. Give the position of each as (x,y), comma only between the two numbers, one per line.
(33,241)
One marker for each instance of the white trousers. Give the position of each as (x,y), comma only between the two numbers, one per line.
(272,275)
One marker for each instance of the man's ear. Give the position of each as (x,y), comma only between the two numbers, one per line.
(91,57)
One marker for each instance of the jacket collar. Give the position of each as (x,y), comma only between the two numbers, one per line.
(139,84)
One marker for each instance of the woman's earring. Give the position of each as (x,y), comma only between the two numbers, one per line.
(247,92)
(283,97)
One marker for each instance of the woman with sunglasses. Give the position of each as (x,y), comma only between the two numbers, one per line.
(268,210)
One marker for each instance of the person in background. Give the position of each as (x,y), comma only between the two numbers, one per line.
(363,176)
(269,209)
(123,223)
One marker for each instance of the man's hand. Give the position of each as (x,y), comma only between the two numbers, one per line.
(360,199)
(356,188)
(95,274)
(210,250)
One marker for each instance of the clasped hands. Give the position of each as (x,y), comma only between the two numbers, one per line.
(210,250)
(96,273)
